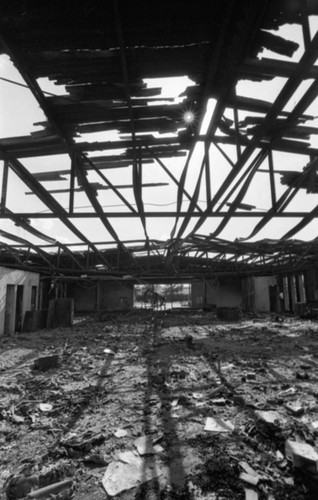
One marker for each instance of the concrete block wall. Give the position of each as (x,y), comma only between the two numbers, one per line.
(10,279)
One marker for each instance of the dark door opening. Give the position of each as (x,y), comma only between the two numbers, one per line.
(162,296)
(273,298)
(34,290)
(19,308)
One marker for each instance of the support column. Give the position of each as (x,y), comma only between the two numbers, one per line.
(72,183)
(272,177)
(4,187)
(237,132)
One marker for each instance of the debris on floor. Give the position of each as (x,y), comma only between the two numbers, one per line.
(162,406)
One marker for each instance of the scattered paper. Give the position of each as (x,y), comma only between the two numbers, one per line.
(214,424)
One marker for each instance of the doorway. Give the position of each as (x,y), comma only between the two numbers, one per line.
(19,308)
(273,298)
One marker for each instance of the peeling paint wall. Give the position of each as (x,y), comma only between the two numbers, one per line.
(9,282)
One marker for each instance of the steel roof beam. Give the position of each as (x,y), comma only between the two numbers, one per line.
(288,90)
(38,94)
(49,201)
(137,160)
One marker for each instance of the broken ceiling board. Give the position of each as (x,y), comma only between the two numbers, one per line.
(267,68)
(161,152)
(161,125)
(82,113)
(257,106)
(110,161)
(93,91)
(102,65)
(276,43)
(49,176)
(284,145)
(31,152)
(105,165)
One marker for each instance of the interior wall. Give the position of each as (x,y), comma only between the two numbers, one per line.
(85,298)
(261,290)
(8,307)
(115,295)
(257,292)
(222,293)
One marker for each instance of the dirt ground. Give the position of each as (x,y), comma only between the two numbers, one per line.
(164,375)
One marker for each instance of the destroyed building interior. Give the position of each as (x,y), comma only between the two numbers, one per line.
(159,250)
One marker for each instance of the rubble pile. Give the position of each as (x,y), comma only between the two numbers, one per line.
(150,405)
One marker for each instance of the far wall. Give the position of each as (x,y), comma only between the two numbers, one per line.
(106,295)
(220,292)
(259,292)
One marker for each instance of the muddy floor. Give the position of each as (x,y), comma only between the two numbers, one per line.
(165,405)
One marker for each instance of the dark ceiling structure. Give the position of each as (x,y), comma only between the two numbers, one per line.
(102,52)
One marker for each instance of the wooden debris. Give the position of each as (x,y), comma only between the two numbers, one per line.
(52,489)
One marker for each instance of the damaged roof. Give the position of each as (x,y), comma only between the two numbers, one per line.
(100,56)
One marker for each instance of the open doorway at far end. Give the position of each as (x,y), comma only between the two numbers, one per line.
(162,296)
